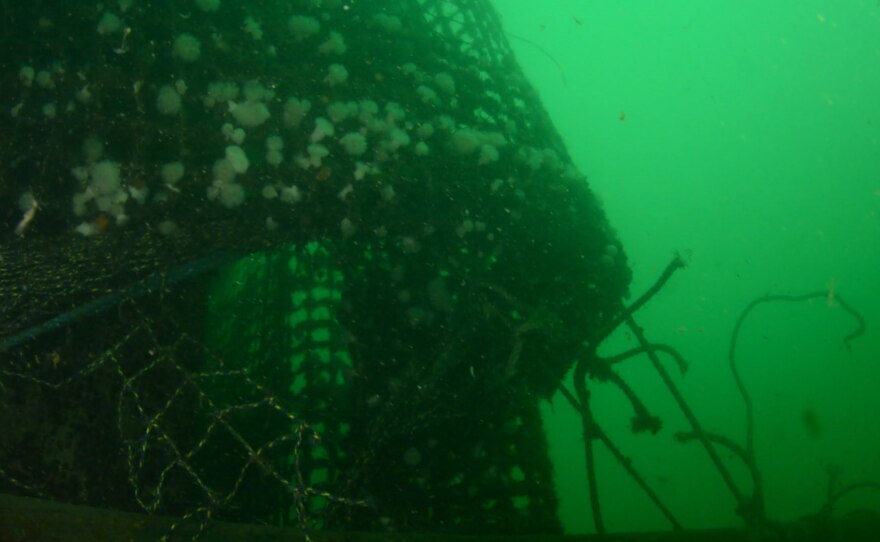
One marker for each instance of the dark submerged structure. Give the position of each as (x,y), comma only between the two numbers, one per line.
(306,262)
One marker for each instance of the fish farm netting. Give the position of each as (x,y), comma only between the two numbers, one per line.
(294,262)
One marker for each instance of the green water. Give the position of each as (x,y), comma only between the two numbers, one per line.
(747,135)
(377,351)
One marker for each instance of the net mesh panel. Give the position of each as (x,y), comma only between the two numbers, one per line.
(352,338)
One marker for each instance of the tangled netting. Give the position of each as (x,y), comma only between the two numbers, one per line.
(303,262)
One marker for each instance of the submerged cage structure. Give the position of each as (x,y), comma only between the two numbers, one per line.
(304,262)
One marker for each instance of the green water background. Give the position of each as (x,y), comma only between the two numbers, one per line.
(750,139)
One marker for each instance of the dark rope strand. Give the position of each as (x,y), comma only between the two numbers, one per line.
(666,349)
(589,429)
(627,464)
(692,419)
(673,266)
(740,452)
(829,505)
(734,337)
